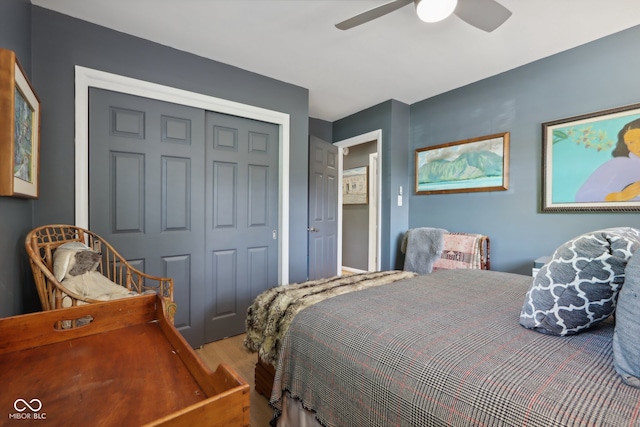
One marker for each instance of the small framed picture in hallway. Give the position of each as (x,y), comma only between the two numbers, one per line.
(355,185)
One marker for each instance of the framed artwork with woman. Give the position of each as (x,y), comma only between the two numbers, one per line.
(592,162)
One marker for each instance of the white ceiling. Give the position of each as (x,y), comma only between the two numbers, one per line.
(394,57)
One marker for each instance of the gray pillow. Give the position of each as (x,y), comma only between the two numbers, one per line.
(85,261)
(626,337)
(579,286)
(64,258)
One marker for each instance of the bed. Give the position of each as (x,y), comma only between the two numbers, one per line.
(447,348)
(128,366)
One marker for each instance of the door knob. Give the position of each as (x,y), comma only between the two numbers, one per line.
(312,229)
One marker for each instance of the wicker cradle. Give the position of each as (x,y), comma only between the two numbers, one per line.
(41,243)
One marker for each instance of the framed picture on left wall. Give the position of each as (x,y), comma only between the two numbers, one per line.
(19,130)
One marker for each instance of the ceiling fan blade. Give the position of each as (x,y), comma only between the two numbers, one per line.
(486,15)
(372,14)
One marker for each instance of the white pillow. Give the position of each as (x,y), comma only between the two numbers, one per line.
(63,256)
(94,285)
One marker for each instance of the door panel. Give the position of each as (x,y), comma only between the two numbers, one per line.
(146,164)
(241,219)
(191,195)
(323,209)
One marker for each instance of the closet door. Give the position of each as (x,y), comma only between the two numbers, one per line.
(146,171)
(191,195)
(241,219)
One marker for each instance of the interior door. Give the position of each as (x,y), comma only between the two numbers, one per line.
(323,209)
(241,219)
(146,180)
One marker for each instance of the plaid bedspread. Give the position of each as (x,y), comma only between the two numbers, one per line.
(446,349)
(270,314)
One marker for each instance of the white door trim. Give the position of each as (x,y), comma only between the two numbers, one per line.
(375,135)
(86,78)
(373,213)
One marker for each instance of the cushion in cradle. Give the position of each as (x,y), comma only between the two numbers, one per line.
(64,259)
(579,286)
(626,336)
(75,265)
(94,285)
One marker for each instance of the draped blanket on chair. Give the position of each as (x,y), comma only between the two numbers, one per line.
(462,250)
(422,248)
(430,249)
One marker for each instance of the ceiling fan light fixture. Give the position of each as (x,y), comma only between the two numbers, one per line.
(435,10)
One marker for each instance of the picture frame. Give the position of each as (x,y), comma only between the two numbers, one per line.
(355,186)
(471,165)
(19,130)
(588,166)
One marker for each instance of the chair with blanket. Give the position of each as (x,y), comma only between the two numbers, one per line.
(430,249)
(73,266)
(464,250)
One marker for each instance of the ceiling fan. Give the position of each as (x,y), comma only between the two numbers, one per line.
(486,15)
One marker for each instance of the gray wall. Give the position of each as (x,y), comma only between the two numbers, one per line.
(61,42)
(321,129)
(597,76)
(16,285)
(392,117)
(593,77)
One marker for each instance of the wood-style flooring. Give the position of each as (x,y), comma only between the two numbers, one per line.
(232,352)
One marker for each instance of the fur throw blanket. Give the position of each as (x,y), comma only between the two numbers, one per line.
(270,315)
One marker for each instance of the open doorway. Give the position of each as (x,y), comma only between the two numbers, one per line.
(358,220)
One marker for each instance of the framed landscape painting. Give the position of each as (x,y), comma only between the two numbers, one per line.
(19,130)
(591,162)
(477,164)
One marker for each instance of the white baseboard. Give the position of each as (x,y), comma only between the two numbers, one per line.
(353,270)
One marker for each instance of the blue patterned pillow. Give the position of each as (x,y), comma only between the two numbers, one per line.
(626,337)
(579,286)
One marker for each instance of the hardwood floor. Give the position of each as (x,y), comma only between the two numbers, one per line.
(232,352)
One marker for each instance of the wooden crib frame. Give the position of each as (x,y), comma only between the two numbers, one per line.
(129,366)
